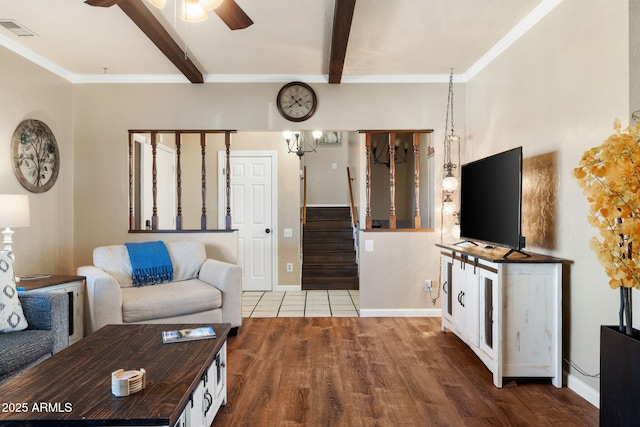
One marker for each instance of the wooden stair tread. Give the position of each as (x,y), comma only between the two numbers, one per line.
(329,257)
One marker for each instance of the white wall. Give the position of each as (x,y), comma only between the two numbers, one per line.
(104,114)
(326,185)
(557,90)
(30,92)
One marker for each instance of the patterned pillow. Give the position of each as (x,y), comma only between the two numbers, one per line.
(11,316)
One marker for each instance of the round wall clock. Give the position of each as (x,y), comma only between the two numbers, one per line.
(36,159)
(296,101)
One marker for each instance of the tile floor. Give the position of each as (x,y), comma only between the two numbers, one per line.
(301,304)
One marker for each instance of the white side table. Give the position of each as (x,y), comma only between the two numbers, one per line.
(72,286)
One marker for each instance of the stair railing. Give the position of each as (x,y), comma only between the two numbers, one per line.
(354,216)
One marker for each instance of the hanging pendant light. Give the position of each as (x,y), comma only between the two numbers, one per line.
(449,181)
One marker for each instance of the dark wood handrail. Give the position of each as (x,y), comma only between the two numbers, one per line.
(304,197)
(354,217)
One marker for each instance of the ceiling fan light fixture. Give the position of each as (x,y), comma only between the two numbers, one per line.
(192,11)
(160,4)
(210,4)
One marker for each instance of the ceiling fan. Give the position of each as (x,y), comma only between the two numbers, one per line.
(235,18)
(227,10)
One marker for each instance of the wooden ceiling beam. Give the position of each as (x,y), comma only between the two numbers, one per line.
(144,19)
(342,18)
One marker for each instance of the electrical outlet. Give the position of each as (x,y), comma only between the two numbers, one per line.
(288,232)
(428,284)
(289,267)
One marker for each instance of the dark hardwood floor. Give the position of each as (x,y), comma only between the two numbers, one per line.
(377,372)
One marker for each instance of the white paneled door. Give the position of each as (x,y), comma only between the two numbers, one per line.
(252,203)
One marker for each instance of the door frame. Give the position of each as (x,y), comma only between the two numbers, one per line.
(222,195)
(145,164)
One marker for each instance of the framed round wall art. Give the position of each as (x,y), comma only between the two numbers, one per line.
(36,159)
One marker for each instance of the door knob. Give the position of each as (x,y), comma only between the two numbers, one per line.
(268,230)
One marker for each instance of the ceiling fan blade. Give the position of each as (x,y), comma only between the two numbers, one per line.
(102,3)
(233,15)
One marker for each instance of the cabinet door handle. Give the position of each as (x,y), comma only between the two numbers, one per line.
(209,399)
(462,298)
(445,287)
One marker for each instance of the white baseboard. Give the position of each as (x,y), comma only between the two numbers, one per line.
(400,312)
(583,390)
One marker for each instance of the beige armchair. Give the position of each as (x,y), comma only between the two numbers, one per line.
(203,290)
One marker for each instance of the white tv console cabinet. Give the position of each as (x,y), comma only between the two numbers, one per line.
(507,310)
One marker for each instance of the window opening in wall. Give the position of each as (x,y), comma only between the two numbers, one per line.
(164,195)
(399,179)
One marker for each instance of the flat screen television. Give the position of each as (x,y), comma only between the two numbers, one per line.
(491,200)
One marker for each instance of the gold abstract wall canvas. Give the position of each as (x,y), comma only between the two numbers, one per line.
(539,196)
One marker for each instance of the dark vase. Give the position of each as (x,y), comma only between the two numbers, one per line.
(619,377)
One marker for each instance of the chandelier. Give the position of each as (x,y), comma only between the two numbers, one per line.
(449,181)
(382,155)
(191,10)
(296,142)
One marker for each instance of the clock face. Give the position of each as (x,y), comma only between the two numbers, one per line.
(36,159)
(296,101)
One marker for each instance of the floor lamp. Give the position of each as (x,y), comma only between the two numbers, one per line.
(14,212)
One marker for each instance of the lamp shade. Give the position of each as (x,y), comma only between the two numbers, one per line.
(192,11)
(14,210)
(449,183)
(160,4)
(455,231)
(448,208)
(448,205)
(210,4)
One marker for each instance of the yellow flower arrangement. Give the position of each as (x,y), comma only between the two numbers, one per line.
(609,176)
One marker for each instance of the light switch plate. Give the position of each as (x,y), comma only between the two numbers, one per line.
(288,232)
(368,245)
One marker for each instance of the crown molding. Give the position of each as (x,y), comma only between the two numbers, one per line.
(529,21)
(264,78)
(35,58)
(512,36)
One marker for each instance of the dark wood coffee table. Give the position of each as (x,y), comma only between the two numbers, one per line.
(74,386)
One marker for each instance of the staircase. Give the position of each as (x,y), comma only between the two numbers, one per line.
(328,254)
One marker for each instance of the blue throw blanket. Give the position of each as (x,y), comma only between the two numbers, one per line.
(150,263)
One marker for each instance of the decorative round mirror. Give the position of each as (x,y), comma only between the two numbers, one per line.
(36,159)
